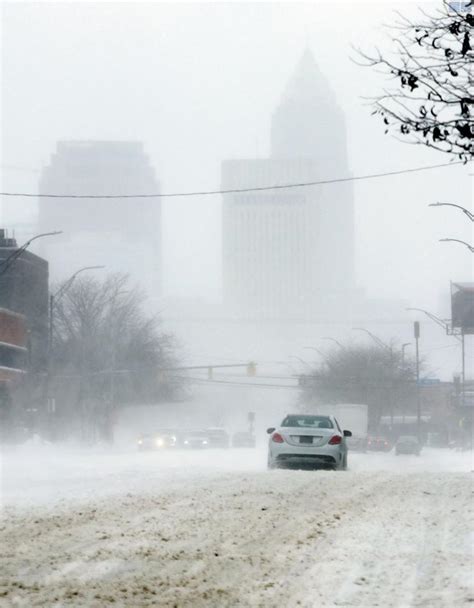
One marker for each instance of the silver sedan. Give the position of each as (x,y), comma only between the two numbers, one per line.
(305,440)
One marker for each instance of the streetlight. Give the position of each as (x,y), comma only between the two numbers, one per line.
(404,345)
(300,360)
(320,352)
(53,298)
(470,247)
(7,262)
(469,214)
(388,348)
(333,340)
(441,322)
(445,325)
(375,338)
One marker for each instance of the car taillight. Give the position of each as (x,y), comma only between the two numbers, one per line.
(277,438)
(335,440)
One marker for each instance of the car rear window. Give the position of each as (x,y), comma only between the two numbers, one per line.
(313,422)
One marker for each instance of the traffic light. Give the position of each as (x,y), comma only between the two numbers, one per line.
(416,329)
(252,369)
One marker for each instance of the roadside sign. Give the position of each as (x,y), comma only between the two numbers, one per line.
(428,381)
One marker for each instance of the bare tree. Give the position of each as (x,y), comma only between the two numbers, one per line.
(430,96)
(380,377)
(106,351)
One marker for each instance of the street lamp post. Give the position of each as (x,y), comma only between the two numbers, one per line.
(445,326)
(416,329)
(8,261)
(300,360)
(375,338)
(468,245)
(333,340)
(388,348)
(53,298)
(403,352)
(469,214)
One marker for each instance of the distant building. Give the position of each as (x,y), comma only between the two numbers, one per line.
(289,253)
(13,365)
(13,346)
(24,291)
(123,234)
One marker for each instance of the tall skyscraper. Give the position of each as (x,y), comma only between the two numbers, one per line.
(289,253)
(123,234)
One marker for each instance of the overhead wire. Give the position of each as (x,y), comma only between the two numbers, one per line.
(247,384)
(232,190)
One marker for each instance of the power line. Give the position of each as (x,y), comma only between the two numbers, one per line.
(233,190)
(247,384)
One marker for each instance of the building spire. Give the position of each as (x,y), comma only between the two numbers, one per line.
(308,122)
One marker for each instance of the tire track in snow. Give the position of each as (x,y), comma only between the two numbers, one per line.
(312,538)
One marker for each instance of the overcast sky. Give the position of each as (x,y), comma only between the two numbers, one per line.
(197,83)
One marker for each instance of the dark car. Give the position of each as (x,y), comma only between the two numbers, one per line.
(243,439)
(158,440)
(218,438)
(407,444)
(195,440)
(378,444)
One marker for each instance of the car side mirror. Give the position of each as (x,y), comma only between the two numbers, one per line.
(347,433)
(270,430)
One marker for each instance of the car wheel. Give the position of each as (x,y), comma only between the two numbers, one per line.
(271,464)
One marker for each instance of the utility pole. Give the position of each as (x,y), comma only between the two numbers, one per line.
(416,327)
(53,299)
(463,368)
(391,388)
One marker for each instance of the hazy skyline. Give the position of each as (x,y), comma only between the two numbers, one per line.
(198,83)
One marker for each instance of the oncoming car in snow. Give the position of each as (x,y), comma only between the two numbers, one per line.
(196,440)
(308,441)
(161,439)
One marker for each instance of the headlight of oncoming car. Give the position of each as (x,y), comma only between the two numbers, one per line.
(160,442)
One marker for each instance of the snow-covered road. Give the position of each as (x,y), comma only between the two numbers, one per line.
(215,529)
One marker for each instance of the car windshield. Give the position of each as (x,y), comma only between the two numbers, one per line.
(311,422)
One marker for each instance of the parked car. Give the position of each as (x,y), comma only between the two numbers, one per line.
(308,441)
(218,438)
(244,439)
(196,440)
(378,444)
(161,439)
(407,444)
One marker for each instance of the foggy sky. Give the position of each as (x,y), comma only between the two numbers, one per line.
(197,83)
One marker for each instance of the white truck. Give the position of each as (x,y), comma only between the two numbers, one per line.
(352,417)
